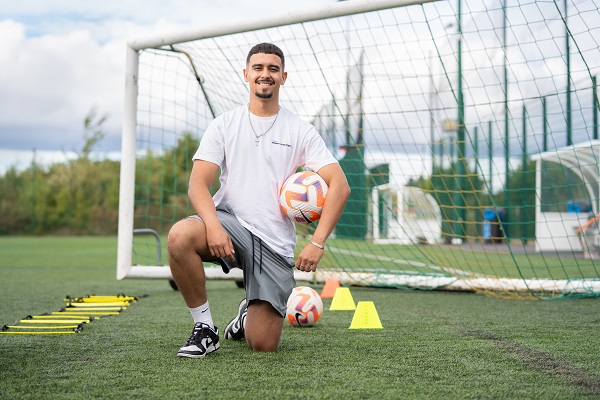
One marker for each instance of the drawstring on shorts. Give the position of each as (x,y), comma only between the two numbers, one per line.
(260,246)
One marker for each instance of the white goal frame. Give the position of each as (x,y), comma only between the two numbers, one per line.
(445,279)
(125,268)
(406,227)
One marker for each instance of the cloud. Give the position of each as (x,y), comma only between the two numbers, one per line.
(52,81)
(61,59)
(49,83)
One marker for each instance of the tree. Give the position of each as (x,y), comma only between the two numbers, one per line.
(93,131)
(441,185)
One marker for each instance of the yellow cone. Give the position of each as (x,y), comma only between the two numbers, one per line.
(365,316)
(342,300)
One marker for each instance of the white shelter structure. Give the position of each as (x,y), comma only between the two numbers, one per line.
(557,230)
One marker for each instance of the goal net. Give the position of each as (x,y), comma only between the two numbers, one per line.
(468,133)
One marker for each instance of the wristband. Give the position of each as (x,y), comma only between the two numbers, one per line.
(317,245)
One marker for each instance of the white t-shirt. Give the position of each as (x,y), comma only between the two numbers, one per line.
(253,173)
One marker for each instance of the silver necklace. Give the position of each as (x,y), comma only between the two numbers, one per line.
(257,137)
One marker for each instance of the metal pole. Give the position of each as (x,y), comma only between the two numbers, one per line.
(490,155)
(569,118)
(246,24)
(524,192)
(348,105)
(545,126)
(595,107)
(431,119)
(441,152)
(460,138)
(475,144)
(506,133)
(127,177)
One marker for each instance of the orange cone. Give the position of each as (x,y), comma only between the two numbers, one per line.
(329,288)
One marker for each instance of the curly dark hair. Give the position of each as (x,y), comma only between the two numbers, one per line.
(266,48)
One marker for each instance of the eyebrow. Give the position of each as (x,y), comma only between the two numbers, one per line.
(262,65)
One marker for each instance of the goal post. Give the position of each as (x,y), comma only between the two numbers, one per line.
(129,149)
(471,148)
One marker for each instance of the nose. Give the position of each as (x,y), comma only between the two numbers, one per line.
(265,74)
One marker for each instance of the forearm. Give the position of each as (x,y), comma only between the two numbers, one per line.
(202,176)
(332,211)
(218,242)
(337,196)
(203,204)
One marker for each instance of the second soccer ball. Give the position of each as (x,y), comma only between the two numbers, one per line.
(304,306)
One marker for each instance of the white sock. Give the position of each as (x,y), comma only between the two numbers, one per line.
(202,314)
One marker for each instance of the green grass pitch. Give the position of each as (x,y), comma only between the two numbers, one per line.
(432,345)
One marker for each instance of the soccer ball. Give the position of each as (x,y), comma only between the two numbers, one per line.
(302,197)
(304,306)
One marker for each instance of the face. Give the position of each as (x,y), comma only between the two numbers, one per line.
(265,74)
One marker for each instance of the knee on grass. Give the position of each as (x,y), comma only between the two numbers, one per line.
(264,344)
(263,326)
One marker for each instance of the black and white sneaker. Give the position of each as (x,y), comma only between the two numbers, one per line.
(235,328)
(204,340)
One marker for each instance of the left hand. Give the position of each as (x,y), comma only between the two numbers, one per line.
(309,258)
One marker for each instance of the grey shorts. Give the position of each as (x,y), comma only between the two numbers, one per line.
(268,276)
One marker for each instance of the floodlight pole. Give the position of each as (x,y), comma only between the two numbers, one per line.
(476,144)
(524,170)
(545,125)
(506,111)
(431,117)
(459,202)
(568,51)
(595,107)
(490,156)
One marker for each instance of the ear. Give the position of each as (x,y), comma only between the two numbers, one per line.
(283,77)
(245,74)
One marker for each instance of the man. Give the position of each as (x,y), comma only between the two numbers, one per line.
(586,233)
(257,146)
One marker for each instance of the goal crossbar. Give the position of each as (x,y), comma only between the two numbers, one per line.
(334,10)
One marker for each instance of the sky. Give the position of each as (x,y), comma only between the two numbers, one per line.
(61,59)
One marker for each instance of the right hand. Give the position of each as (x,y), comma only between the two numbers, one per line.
(219,243)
